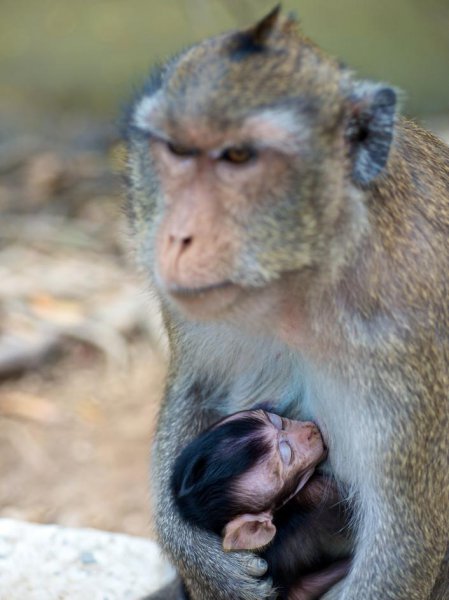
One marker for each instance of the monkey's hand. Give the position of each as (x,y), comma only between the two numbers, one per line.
(208,572)
(212,574)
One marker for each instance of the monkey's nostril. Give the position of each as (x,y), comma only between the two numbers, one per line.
(184,242)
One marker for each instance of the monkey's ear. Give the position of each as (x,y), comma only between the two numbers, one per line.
(255,39)
(249,532)
(261,31)
(370,129)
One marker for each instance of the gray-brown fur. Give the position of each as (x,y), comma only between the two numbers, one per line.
(344,311)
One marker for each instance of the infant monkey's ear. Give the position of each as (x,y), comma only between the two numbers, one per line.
(249,532)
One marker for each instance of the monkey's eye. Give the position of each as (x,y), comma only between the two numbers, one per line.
(275,420)
(286,452)
(238,155)
(180,150)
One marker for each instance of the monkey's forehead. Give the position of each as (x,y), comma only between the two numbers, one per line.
(224,78)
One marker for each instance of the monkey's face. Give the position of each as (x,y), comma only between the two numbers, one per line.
(231,214)
(244,161)
(295,449)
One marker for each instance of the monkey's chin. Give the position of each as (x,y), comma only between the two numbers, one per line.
(206,303)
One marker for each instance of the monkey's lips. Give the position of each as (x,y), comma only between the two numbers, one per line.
(204,301)
(181,291)
(303,479)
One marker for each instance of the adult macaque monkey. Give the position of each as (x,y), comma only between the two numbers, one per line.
(297,233)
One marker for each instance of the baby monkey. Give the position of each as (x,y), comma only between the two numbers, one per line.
(251,479)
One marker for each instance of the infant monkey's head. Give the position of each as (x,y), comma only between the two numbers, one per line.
(234,476)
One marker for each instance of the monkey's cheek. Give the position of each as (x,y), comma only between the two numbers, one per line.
(311,450)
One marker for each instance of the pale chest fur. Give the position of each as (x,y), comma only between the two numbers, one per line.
(249,370)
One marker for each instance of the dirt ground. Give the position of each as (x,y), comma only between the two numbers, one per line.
(84,462)
(81,359)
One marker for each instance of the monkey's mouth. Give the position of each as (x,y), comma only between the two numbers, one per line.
(205,302)
(304,478)
(180,291)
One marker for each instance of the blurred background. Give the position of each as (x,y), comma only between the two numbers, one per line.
(82,359)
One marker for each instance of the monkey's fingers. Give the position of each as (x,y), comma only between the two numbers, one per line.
(242,577)
(256,566)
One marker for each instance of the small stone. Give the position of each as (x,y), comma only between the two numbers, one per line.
(87,558)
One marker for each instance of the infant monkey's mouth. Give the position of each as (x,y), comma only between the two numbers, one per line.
(324,439)
(304,479)
(301,483)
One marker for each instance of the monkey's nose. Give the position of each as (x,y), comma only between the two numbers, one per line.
(181,242)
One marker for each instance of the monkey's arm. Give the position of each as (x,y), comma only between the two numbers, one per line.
(407,573)
(441,589)
(208,572)
(401,565)
(404,532)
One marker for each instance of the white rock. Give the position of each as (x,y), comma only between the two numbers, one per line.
(49,562)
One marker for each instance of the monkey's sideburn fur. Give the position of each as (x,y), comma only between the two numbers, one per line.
(296,231)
